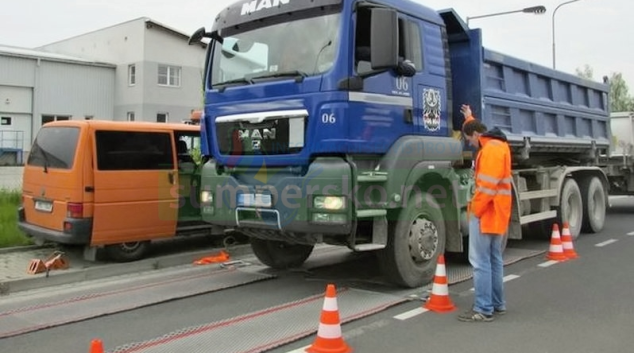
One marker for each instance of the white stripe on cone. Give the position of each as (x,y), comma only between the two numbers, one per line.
(440,289)
(441,271)
(556,248)
(330,304)
(329,331)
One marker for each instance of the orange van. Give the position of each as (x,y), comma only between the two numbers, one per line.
(116,185)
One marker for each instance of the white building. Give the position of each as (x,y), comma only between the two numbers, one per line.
(159,76)
(37,87)
(138,70)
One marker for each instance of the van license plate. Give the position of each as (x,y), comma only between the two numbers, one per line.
(44,206)
(254,200)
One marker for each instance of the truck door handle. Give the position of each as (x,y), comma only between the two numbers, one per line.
(408,116)
(170,177)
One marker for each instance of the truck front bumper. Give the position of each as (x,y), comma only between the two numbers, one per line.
(280,201)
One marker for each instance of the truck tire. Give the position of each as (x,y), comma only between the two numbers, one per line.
(280,255)
(415,240)
(571,207)
(127,252)
(594,205)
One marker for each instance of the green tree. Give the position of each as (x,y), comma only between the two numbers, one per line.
(620,99)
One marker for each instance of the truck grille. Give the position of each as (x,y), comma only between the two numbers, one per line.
(268,133)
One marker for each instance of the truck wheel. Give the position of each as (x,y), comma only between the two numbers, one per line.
(594,205)
(415,240)
(571,207)
(126,252)
(280,255)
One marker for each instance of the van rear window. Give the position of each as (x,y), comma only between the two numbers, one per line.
(54,147)
(130,150)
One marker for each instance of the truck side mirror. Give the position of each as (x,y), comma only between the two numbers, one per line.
(384,39)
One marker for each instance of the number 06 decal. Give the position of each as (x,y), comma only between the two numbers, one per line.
(328,118)
(402,84)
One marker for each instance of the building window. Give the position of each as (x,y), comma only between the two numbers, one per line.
(130,116)
(131,75)
(5,121)
(51,118)
(162,117)
(169,76)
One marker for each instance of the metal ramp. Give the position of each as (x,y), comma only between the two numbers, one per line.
(49,310)
(265,329)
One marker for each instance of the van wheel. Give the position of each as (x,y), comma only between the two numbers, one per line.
(126,252)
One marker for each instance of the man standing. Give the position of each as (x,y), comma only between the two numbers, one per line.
(489,216)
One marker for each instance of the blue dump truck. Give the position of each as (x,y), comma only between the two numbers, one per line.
(316,134)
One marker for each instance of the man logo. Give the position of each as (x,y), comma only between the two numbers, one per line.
(256,136)
(257,5)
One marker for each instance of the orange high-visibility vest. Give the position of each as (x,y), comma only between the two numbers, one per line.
(492,201)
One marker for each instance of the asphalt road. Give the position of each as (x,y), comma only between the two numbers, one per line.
(582,305)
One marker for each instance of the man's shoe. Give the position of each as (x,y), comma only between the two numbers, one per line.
(499,311)
(474,316)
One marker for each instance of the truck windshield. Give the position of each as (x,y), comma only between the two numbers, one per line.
(306,47)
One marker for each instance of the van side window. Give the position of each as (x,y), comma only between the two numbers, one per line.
(129,150)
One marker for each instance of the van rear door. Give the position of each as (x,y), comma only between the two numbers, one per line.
(134,175)
(52,179)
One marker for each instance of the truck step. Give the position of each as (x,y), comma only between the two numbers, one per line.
(371,213)
(368,247)
(372,177)
(379,234)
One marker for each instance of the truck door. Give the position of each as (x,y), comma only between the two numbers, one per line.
(401,105)
(386,104)
(134,179)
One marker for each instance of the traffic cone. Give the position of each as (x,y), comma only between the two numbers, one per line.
(566,241)
(329,338)
(96,346)
(556,250)
(439,300)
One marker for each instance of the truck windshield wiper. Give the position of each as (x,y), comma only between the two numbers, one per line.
(223,85)
(299,75)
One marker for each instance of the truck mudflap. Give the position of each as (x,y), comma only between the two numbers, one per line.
(276,201)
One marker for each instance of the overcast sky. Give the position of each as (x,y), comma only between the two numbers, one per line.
(593,32)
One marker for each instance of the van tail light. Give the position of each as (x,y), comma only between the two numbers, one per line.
(75,210)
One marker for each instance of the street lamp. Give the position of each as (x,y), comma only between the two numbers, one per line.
(553,26)
(537,10)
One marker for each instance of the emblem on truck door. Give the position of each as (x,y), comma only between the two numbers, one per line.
(431,109)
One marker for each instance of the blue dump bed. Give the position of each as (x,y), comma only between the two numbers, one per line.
(550,110)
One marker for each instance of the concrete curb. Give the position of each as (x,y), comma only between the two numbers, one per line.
(110,270)
(24,248)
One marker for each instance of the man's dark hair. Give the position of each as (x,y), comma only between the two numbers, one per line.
(473,126)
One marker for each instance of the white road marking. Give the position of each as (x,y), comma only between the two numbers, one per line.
(505,279)
(299,350)
(410,314)
(607,242)
(548,263)
(631,234)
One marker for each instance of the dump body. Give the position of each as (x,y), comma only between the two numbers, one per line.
(541,110)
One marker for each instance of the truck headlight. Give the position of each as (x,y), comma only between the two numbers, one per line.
(331,203)
(206,197)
